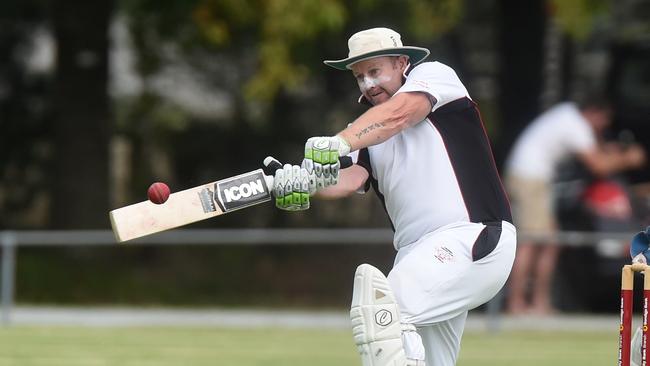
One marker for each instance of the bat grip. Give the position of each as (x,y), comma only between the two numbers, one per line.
(346,162)
(271,164)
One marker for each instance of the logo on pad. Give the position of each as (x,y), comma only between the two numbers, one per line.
(383,317)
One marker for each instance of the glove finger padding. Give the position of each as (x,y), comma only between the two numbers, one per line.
(279,182)
(334,171)
(291,188)
(322,159)
(308,171)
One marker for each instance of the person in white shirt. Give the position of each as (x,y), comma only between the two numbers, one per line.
(563,131)
(423,149)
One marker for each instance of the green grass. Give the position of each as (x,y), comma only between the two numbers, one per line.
(540,349)
(87,346)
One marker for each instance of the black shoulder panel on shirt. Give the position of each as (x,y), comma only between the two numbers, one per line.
(467,144)
(364,161)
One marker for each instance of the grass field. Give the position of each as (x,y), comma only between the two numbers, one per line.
(154,346)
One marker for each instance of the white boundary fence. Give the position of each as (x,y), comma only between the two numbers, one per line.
(9,240)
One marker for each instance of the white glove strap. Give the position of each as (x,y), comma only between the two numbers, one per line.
(343,146)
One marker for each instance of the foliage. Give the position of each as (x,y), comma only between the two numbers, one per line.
(265,57)
(275,34)
(433,17)
(577,17)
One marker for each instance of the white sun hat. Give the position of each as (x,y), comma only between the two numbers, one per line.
(377,42)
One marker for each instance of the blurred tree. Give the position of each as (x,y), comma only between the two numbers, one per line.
(577,17)
(82,115)
(521,29)
(537,40)
(570,25)
(264,55)
(24,144)
(267,57)
(275,35)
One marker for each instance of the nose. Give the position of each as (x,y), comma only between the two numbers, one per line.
(368,83)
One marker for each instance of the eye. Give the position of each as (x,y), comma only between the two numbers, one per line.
(374,72)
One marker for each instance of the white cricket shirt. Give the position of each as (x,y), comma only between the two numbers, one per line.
(440,171)
(550,138)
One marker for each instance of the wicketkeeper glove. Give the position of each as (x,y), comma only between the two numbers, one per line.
(322,159)
(640,247)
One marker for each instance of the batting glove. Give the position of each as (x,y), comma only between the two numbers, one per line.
(322,159)
(291,188)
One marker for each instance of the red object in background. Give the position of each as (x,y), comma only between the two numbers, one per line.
(158,193)
(608,199)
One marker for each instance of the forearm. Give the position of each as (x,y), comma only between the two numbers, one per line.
(614,163)
(604,163)
(350,180)
(383,121)
(373,127)
(333,192)
(610,164)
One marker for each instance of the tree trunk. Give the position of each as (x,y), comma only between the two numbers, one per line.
(81,134)
(521,36)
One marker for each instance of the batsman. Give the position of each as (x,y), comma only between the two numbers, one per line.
(423,149)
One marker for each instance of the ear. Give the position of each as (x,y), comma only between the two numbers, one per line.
(402,62)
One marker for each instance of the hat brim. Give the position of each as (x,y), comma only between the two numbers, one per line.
(415,54)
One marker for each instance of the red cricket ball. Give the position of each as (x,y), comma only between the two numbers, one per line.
(158,193)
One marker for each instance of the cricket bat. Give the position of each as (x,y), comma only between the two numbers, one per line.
(197,203)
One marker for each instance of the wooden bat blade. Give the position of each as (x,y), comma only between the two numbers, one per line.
(145,218)
(191,205)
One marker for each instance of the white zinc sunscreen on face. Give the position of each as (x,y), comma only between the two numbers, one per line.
(368,83)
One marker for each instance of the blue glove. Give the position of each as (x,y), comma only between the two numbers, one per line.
(640,247)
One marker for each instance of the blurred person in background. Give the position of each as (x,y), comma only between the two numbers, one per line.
(422,147)
(566,130)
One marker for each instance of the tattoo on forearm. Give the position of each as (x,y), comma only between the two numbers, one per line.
(366,130)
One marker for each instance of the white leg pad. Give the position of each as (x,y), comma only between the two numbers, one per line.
(413,347)
(375,319)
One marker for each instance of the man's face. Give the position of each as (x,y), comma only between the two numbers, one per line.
(380,77)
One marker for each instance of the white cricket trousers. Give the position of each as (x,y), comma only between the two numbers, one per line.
(442,276)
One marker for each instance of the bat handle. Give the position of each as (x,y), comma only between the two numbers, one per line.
(271,164)
(346,162)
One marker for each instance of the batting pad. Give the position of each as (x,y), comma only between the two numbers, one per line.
(375,319)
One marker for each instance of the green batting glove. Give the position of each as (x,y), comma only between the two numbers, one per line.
(322,159)
(291,188)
